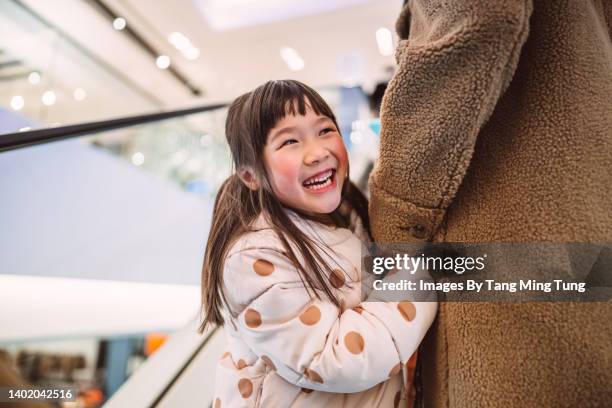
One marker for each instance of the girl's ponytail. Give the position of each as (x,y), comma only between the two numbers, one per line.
(235,206)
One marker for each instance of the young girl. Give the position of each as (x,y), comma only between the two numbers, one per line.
(282,267)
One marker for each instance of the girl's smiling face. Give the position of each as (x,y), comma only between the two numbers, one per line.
(306,162)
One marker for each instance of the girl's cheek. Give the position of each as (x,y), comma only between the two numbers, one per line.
(340,150)
(286,167)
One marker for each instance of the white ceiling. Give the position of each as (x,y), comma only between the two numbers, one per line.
(233,61)
(336,39)
(230,14)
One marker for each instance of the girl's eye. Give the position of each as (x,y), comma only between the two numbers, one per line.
(288,142)
(327,130)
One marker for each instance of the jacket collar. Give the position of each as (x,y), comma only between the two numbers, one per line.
(325,234)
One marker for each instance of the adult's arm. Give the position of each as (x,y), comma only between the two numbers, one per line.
(455,59)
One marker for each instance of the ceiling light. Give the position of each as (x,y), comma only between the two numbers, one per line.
(79,94)
(292,58)
(179,41)
(17,102)
(384,38)
(184,45)
(162,62)
(191,53)
(25,129)
(49,98)
(119,23)
(34,77)
(137,159)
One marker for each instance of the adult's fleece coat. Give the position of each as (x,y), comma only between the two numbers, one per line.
(497,127)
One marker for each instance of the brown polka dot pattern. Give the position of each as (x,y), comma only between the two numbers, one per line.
(263,267)
(337,278)
(227,353)
(217,403)
(313,376)
(241,364)
(395,370)
(358,309)
(311,316)
(354,342)
(407,310)
(245,387)
(307,390)
(268,362)
(252,318)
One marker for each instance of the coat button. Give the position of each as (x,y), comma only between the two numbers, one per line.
(418,231)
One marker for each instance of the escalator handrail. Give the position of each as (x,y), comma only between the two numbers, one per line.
(208,336)
(17,140)
(148,385)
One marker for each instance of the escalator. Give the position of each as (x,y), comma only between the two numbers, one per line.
(181,374)
(126,201)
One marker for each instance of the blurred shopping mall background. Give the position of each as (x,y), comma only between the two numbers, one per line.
(102,235)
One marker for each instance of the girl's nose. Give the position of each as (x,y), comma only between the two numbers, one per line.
(315,153)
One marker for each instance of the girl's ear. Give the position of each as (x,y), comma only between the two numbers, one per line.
(247,176)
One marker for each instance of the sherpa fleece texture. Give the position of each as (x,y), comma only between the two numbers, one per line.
(497,127)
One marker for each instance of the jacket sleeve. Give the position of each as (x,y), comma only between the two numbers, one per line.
(310,342)
(455,59)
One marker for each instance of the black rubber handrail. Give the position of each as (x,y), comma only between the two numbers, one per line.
(12,141)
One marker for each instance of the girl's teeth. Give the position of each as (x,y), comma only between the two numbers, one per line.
(319,179)
(319,186)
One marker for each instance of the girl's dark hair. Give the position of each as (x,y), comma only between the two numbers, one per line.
(250,118)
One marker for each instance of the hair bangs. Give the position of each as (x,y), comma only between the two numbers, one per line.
(283,98)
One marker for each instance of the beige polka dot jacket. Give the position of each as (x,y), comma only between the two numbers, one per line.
(287,349)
